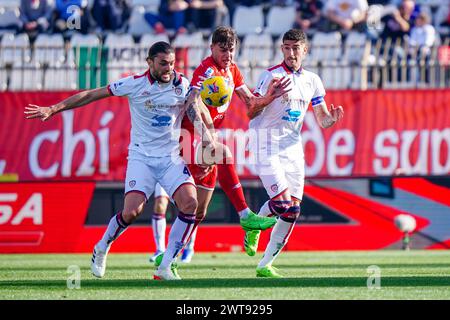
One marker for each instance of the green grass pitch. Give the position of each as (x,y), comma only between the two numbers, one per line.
(308,275)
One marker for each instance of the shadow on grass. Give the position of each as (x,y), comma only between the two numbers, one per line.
(325,282)
(195,266)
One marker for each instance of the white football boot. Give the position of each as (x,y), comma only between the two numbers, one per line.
(98,263)
(165,274)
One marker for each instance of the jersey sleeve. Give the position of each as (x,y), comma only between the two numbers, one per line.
(319,92)
(121,87)
(238,78)
(263,83)
(201,72)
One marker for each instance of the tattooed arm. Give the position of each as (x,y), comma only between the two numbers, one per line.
(199,115)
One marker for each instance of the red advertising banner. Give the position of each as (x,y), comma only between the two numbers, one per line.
(51,217)
(43,217)
(383,133)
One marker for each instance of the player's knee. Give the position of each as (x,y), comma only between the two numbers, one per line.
(189,205)
(160,207)
(130,215)
(291,215)
(279,207)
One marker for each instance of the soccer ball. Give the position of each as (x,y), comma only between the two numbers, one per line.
(405,222)
(215,91)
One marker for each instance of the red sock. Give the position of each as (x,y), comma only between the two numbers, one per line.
(229,181)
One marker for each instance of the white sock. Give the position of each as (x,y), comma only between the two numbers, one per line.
(159,231)
(278,238)
(264,210)
(244,213)
(191,243)
(179,233)
(115,228)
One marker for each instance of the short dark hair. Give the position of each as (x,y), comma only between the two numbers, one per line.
(159,47)
(296,35)
(225,36)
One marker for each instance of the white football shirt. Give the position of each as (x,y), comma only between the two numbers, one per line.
(278,126)
(156,111)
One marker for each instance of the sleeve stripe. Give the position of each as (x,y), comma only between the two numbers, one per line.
(242,85)
(317,100)
(109,89)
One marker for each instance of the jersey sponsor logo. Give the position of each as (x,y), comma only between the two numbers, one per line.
(132,183)
(209,72)
(161,121)
(145,93)
(218,117)
(292,115)
(117,84)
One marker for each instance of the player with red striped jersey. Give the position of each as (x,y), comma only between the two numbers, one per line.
(220,63)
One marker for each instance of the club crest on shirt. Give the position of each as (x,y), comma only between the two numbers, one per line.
(274,188)
(178,91)
(132,183)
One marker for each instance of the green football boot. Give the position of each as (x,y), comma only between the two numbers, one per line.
(173,267)
(251,240)
(268,272)
(255,222)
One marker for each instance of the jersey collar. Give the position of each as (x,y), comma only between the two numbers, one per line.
(150,77)
(216,65)
(289,70)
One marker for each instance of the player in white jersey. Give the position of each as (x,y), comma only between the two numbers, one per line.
(277,144)
(159,224)
(157,105)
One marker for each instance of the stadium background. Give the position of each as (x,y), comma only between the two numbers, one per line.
(63,180)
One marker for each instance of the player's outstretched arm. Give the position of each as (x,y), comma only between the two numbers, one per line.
(326,118)
(75,101)
(256,104)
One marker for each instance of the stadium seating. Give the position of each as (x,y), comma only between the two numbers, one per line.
(248,20)
(342,62)
(137,25)
(280,19)
(49,49)
(354,60)
(123,55)
(9,19)
(257,50)
(439,17)
(195,46)
(15,49)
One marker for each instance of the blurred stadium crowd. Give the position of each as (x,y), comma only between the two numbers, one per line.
(358,44)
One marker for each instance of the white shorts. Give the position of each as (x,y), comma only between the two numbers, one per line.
(143,173)
(285,170)
(160,192)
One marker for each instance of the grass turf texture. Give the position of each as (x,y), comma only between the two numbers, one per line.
(308,275)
